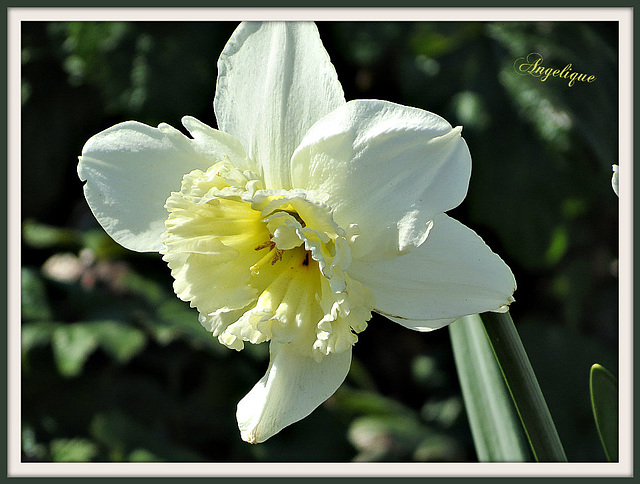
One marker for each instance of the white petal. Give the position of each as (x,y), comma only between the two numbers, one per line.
(275,80)
(422,325)
(293,387)
(130,170)
(452,274)
(385,167)
(211,143)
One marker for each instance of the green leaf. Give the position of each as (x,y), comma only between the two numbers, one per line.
(33,302)
(496,428)
(558,245)
(118,340)
(567,391)
(31,448)
(604,402)
(524,388)
(33,335)
(73,450)
(42,236)
(36,334)
(72,345)
(443,412)
(143,455)
(103,246)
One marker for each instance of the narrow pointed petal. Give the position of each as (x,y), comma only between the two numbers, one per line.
(131,169)
(293,387)
(275,80)
(452,274)
(387,168)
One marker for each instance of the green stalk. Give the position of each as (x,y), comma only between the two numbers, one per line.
(497,432)
(523,386)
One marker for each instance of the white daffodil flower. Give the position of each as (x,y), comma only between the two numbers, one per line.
(298,217)
(614,179)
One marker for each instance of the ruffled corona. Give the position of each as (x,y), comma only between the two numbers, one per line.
(263,265)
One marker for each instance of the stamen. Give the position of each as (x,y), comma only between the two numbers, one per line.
(269,257)
(278,256)
(267,243)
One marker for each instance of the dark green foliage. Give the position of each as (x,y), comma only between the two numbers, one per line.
(605,404)
(116,368)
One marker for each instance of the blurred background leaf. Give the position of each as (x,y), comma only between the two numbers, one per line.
(73,450)
(116,368)
(604,402)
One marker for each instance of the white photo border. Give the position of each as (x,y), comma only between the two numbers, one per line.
(623,468)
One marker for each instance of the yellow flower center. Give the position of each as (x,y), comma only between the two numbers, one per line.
(263,264)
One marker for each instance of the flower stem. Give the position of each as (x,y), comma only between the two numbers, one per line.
(497,432)
(523,386)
